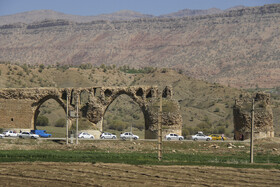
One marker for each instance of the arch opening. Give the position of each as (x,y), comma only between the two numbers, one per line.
(149,95)
(140,92)
(108,93)
(124,115)
(50,115)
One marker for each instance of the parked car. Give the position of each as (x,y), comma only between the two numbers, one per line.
(41,133)
(2,135)
(201,137)
(128,135)
(85,135)
(217,137)
(10,133)
(173,136)
(28,135)
(107,135)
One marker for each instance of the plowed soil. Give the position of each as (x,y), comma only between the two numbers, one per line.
(101,174)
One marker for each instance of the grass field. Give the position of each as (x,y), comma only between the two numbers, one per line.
(237,161)
(213,153)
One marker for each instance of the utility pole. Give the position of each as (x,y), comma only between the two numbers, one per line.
(67,111)
(252,133)
(77,117)
(160,129)
(131,131)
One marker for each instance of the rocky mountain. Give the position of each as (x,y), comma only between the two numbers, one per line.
(41,15)
(238,48)
(190,12)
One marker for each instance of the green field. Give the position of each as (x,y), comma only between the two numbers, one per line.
(240,161)
(212,153)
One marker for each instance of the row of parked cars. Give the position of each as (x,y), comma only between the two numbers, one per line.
(33,134)
(198,136)
(107,135)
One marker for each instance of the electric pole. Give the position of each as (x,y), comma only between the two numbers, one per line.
(77,117)
(252,133)
(160,129)
(67,111)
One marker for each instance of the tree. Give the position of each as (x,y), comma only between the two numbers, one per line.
(204,127)
(60,123)
(217,109)
(41,67)
(42,121)
(221,130)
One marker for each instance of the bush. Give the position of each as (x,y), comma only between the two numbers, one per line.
(20,73)
(185,133)
(139,125)
(41,67)
(60,123)
(221,130)
(42,121)
(205,127)
(83,124)
(118,125)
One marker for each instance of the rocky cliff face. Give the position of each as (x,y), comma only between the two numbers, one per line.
(238,48)
(263,116)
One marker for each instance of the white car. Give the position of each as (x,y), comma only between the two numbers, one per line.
(2,135)
(10,134)
(85,135)
(128,135)
(173,136)
(107,135)
(28,135)
(201,137)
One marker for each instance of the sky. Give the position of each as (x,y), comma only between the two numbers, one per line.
(96,7)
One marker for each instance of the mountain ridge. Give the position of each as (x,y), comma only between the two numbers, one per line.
(40,15)
(238,48)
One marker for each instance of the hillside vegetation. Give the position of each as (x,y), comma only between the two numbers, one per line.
(204,106)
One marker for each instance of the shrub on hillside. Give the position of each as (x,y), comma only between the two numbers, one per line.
(139,126)
(205,127)
(217,109)
(118,125)
(83,124)
(185,132)
(41,67)
(42,121)
(60,123)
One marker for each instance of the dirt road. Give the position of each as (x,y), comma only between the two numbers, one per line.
(100,174)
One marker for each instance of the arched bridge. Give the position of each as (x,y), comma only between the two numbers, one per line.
(19,107)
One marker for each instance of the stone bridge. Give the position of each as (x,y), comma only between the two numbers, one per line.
(19,107)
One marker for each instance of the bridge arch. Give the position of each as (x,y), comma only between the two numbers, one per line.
(41,101)
(131,98)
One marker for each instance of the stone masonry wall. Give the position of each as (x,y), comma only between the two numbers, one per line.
(263,116)
(16,114)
